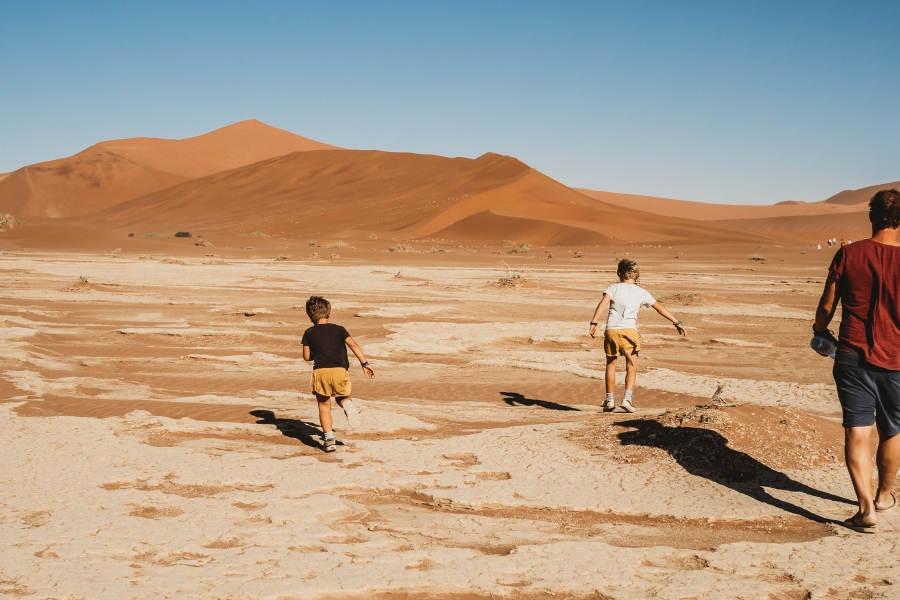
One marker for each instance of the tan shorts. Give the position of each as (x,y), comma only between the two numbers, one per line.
(621,342)
(333,381)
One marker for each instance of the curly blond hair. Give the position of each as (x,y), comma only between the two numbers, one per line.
(628,269)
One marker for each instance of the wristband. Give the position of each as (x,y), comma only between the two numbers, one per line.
(679,323)
(364,365)
(593,323)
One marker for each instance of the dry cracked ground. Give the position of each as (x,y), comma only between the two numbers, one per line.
(159,440)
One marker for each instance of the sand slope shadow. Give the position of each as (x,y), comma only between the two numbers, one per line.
(306,433)
(705,453)
(515,398)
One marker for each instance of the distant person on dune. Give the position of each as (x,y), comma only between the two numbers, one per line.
(326,345)
(621,338)
(865,278)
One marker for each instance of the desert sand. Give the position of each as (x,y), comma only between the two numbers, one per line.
(159,440)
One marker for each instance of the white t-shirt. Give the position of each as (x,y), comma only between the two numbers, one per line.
(625,300)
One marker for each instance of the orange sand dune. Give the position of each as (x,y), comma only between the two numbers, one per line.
(352,193)
(860,196)
(854,225)
(703,211)
(112,172)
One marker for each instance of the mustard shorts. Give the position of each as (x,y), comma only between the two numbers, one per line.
(621,342)
(333,381)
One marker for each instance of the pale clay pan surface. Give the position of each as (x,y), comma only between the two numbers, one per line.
(133,468)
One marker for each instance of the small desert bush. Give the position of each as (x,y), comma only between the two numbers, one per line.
(311,244)
(262,233)
(759,257)
(522,248)
(182,234)
(82,280)
(203,243)
(338,244)
(578,255)
(282,257)
(400,248)
(373,237)
(7,220)
(513,278)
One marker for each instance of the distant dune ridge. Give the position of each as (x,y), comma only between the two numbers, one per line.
(253,177)
(112,172)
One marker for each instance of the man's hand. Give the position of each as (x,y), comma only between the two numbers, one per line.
(681,328)
(370,374)
(593,331)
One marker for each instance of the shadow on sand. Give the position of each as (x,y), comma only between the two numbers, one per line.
(514,398)
(306,433)
(705,453)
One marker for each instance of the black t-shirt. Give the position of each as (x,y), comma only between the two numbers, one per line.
(327,346)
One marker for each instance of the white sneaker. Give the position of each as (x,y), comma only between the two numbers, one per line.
(609,405)
(351,412)
(628,405)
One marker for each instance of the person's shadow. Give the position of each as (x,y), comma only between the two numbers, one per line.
(705,453)
(514,398)
(306,433)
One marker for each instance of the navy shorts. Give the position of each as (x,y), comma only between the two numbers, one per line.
(868,394)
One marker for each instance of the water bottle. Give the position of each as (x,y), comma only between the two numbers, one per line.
(823,346)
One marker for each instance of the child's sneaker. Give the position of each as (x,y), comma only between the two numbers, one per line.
(628,405)
(352,413)
(329,445)
(609,405)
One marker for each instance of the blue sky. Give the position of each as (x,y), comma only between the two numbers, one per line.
(739,102)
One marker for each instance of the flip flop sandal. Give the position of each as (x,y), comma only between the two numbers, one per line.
(851,523)
(894,498)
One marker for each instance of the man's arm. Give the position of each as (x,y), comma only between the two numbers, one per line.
(827,304)
(306,355)
(662,310)
(600,307)
(354,347)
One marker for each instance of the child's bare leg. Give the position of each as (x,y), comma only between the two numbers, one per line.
(630,371)
(324,412)
(611,374)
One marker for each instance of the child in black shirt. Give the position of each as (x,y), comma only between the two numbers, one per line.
(326,345)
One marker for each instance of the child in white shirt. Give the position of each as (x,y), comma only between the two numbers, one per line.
(625,299)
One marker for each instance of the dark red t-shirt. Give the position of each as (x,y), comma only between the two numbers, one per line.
(868,279)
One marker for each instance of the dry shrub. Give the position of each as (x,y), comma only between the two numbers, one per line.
(184,234)
(282,257)
(578,255)
(203,243)
(400,248)
(311,244)
(373,237)
(338,244)
(7,220)
(513,278)
(262,233)
(758,257)
(522,248)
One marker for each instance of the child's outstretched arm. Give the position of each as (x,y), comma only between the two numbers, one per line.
(600,308)
(351,343)
(658,307)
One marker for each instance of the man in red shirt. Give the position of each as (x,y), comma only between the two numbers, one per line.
(865,277)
